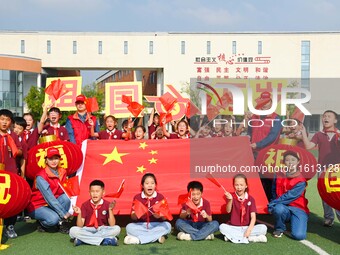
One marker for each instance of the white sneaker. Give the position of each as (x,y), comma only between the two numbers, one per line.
(183,236)
(226,238)
(161,240)
(257,239)
(131,240)
(210,237)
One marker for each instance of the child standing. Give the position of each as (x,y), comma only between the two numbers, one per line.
(96,223)
(10,148)
(289,202)
(151,227)
(328,143)
(196,225)
(31,134)
(19,127)
(111,132)
(153,122)
(53,128)
(182,130)
(242,228)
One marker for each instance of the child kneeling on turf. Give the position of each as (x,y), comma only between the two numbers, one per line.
(95,221)
(196,223)
(242,228)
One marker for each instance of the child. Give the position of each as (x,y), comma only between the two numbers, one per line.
(242,228)
(151,227)
(153,122)
(31,134)
(52,128)
(49,204)
(111,132)
(182,130)
(289,202)
(204,131)
(96,223)
(19,127)
(10,148)
(196,225)
(328,144)
(140,132)
(217,130)
(158,134)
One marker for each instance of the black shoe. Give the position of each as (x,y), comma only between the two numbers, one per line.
(63,227)
(41,228)
(277,233)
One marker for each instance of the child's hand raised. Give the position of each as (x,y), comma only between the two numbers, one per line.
(76,209)
(228,195)
(112,204)
(204,214)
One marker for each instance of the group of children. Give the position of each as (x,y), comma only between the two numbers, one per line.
(18,136)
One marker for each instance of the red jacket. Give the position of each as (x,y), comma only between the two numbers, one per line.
(82,131)
(284,184)
(37,199)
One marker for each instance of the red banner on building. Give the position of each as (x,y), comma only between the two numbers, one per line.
(175,163)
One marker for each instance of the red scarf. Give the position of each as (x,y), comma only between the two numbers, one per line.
(94,219)
(111,134)
(335,131)
(242,207)
(7,140)
(27,134)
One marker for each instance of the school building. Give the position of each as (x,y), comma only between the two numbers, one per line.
(308,59)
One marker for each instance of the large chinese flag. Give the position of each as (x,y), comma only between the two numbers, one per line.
(175,163)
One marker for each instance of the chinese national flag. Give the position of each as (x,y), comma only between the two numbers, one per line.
(139,208)
(166,116)
(134,107)
(56,89)
(91,104)
(175,162)
(118,193)
(191,110)
(168,101)
(71,186)
(162,208)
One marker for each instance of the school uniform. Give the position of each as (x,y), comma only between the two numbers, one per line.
(195,224)
(148,228)
(59,131)
(234,230)
(90,233)
(152,128)
(114,134)
(31,137)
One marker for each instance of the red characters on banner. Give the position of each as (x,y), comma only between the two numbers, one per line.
(329,186)
(270,159)
(15,194)
(71,157)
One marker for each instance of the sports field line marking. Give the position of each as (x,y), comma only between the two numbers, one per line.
(309,244)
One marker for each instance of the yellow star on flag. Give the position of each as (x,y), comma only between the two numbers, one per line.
(142,145)
(153,161)
(140,169)
(114,155)
(152,152)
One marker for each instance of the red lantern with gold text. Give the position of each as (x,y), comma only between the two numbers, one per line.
(71,156)
(15,194)
(270,159)
(329,186)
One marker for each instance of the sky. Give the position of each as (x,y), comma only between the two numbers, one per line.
(169,16)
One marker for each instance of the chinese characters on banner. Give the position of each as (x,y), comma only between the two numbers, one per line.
(113,97)
(66,102)
(239,66)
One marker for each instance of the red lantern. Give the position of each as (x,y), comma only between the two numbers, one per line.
(15,193)
(271,159)
(329,186)
(71,156)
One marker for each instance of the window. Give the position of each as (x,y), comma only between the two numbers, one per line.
(182,47)
(100,47)
(74,47)
(22,46)
(126,47)
(208,47)
(48,47)
(151,47)
(259,47)
(312,123)
(305,64)
(234,47)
